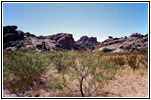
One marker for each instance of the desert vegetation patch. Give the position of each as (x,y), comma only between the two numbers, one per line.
(71,73)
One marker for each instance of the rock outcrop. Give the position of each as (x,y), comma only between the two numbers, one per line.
(134,43)
(14,39)
(87,43)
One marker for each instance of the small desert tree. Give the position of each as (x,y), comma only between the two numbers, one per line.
(91,72)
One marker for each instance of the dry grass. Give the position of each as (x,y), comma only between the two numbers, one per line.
(128,83)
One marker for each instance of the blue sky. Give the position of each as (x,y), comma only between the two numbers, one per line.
(92,19)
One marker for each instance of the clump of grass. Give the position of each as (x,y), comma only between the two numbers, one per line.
(25,67)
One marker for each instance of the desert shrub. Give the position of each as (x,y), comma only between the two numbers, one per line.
(25,67)
(90,72)
(132,60)
(106,50)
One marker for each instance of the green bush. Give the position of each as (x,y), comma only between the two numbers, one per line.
(25,67)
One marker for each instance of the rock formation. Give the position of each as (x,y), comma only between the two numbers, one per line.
(14,39)
(87,43)
(134,43)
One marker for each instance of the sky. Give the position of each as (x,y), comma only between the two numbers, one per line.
(92,19)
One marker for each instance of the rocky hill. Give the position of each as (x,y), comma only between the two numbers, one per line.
(134,43)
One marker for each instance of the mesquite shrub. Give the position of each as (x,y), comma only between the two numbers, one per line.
(21,68)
